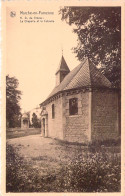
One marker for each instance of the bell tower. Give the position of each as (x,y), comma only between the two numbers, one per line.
(62,71)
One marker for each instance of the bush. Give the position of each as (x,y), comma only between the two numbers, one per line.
(88,172)
(97,173)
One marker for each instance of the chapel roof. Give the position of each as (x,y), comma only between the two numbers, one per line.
(84,75)
(63,66)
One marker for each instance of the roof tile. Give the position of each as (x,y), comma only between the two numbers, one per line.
(85,74)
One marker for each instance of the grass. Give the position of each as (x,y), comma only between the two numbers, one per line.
(97,143)
(15,133)
(91,171)
(99,172)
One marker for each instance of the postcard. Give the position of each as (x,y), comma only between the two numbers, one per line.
(63,97)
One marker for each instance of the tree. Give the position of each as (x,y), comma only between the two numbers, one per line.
(35,121)
(13,96)
(99,37)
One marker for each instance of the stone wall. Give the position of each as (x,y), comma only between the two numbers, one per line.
(104,115)
(97,117)
(76,128)
(55,129)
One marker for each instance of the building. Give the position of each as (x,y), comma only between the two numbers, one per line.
(83,106)
(25,120)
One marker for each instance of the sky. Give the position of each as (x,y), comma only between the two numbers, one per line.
(34,51)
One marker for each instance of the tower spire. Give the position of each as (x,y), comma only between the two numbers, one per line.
(62,70)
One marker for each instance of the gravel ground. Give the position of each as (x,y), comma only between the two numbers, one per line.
(37,164)
(44,152)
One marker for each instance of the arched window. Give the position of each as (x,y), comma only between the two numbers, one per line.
(53,111)
(73,106)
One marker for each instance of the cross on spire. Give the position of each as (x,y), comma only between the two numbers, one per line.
(62,50)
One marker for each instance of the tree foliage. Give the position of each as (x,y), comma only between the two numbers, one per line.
(35,121)
(13,96)
(99,37)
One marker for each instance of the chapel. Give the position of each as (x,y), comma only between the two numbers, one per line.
(82,107)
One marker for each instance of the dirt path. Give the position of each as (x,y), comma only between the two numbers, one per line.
(34,163)
(46,153)
(37,164)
